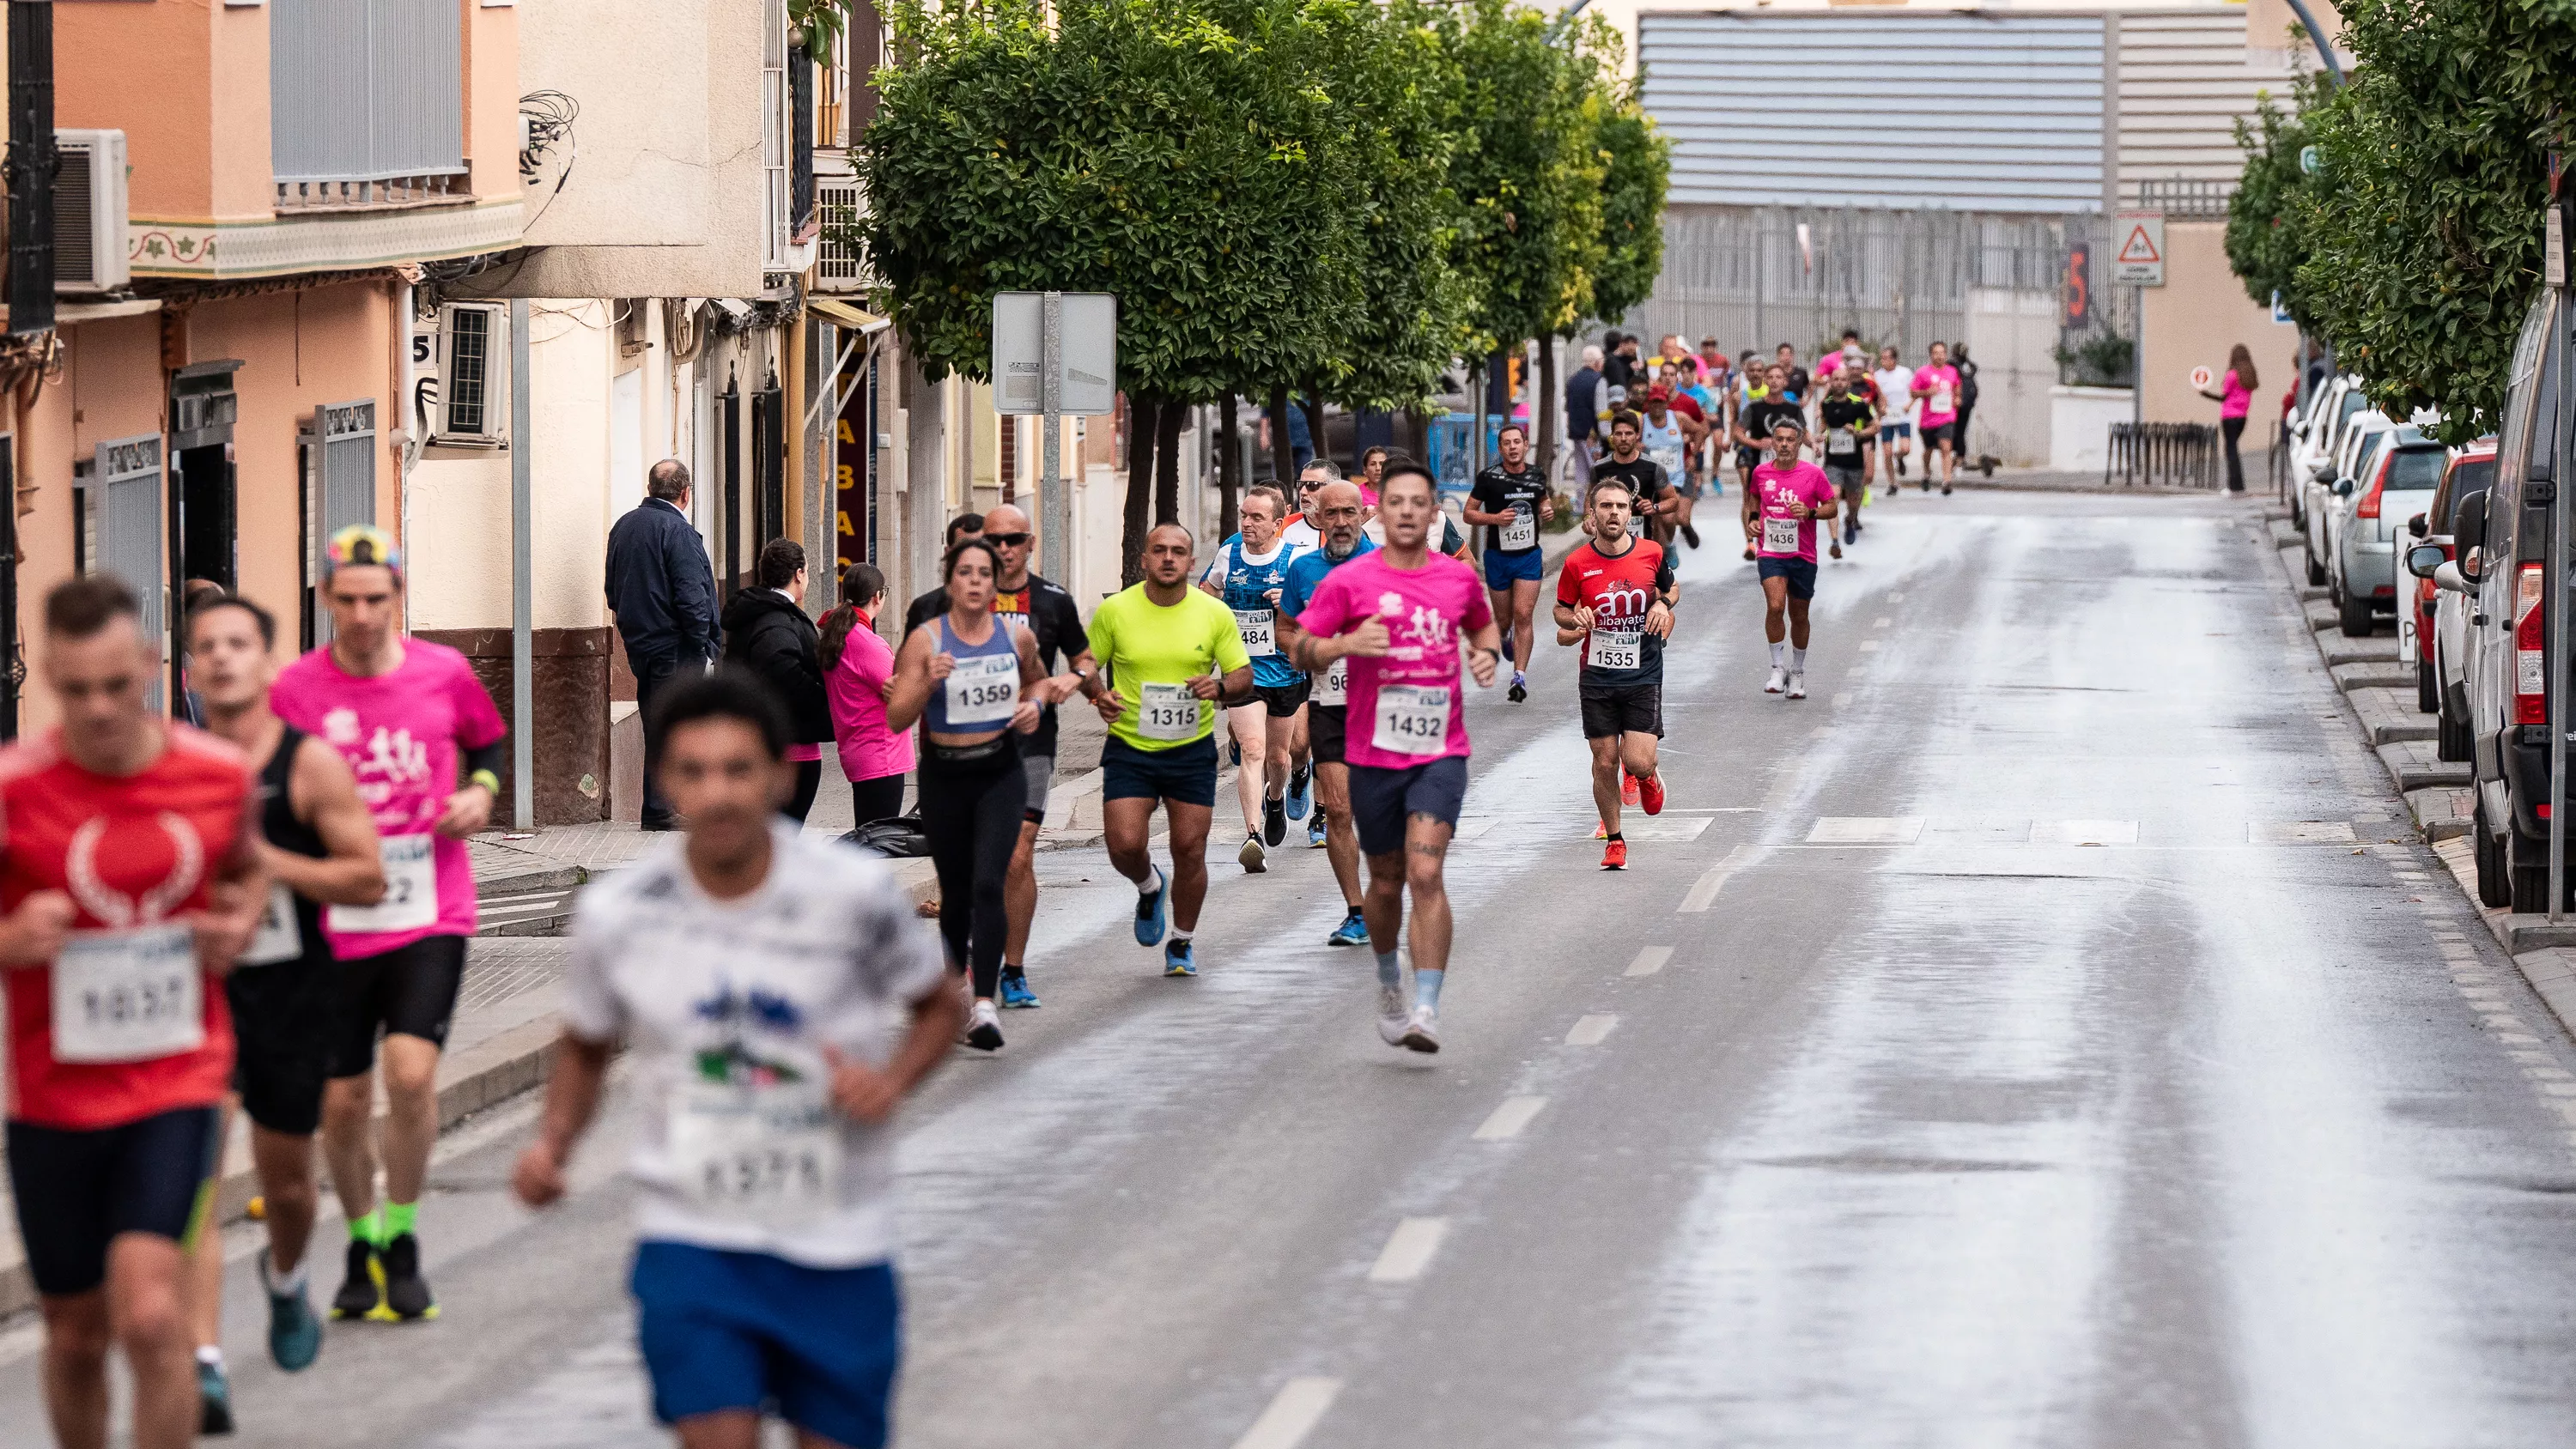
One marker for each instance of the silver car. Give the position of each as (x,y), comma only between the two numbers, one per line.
(2325,498)
(2394,479)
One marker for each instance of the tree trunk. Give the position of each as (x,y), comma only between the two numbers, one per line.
(1167,461)
(1544,404)
(1314,406)
(1283,458)
(1141,415)
(1476,419)
(1229,468)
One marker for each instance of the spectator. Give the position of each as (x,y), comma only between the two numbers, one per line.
(858,668)
(2235,396)
(935,599)
(1967,401)
(661,592)
(200,592)
(767,633)
(1582,411)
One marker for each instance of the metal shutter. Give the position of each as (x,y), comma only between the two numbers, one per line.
(2184,81)
(129,532)
(1962,112)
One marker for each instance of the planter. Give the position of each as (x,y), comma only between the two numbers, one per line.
(2079,426)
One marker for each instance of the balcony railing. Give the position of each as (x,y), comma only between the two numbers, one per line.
(373,194)
(366,103)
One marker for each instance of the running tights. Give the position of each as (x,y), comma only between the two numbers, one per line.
(972,817)
(880,798)
(2229,430)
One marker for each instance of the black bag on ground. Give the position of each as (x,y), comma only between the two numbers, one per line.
(898,837)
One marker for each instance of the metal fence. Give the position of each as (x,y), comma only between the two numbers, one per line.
(2171,455)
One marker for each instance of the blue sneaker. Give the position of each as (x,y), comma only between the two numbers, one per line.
(1149,912)
(1016,993)
(1353,931)
(214,1400)
(1315,831)
(294,1332)
(1301,793)
(1180,958)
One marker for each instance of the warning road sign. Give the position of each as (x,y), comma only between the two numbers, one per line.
(2140,260)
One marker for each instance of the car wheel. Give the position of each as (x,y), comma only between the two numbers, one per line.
(2354,614)
(2493,889)
(2450,738)
(2428,696)
(2528,867)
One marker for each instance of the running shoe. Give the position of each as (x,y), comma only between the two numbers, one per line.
(294,1334)
(1149,912)
(1628,793)
(984,1028)
(1315,831)
(214,1399)
(1779,680)
(407,1298)
(1392,1017)
(1798,685)
(1180,958)
(1601,830)
(1250,856)
(1301,793)
(1868,494)
(1507,644)
(1016,994)
(1900,465)
(1851,529)
(1422,1032)
(1614,856)
(1650,794)
(1520,687)
(1274,821)
(1690,535)
(1353,931)
(362,1292)
(1945,490)
(1836,548)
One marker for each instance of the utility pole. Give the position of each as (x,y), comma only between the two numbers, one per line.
(2554,571)
(523,662)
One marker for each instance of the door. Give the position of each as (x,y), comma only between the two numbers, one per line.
(341,488)
(128,473)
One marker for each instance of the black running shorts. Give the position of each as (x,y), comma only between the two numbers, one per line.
(78,1188)
(1324,725)
(1284,700)
(1623,709)
(409,990)
(282,1018)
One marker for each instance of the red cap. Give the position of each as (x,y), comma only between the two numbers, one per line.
(1659,393)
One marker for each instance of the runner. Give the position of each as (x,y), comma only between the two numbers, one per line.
(424,740)
(1618,604)
(131,884)
(1937,384)
(1646,480)
(317,845)
(1326,709)
(1896,420)
(1709,397)
(1780,513)
(1511,500)
(1678,387)
(971,678)
(1248,573)
(1785,359)
(1047,611)
(1753,425)
(1302,530)
(1850,420)
(1396,614)
(777,1000)
(1166,651)
(1306,533)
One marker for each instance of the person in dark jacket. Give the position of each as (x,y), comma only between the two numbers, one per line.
(767,633)
(935,602)
(1968,457)
(663,593)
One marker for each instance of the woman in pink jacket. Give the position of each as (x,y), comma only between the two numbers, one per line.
(857,665)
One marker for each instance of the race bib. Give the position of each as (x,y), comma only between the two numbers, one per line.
(1842,443)
(1522,531)
(1780,535)
(1335,686)
(128,996)
(1412,719)
(982,691)
(1168,712)
(1669,459)
(411,890)
(763,1154)
(1615,648)
(280,936)
(1260,630)
(1938,402)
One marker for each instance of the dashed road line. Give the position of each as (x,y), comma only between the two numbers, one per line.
(1649,961)
(1408,1250)
(1591,1029)
(1294,1412)
(1714,879)
(1507,1120)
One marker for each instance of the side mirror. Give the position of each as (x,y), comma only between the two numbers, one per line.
(2424,558)
(2419,525)
(2448,576)
(2343,487)
(2469,525)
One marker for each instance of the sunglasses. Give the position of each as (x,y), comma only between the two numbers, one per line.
(1009,540)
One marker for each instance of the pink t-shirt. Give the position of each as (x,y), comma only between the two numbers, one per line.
(401,733)
(1941,404)
(2235,399)
(1775,486)
(1426,611)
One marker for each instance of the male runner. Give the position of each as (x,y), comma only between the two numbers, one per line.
(1327,708)
(1048,612)
(130,885)
(1753,425)
(1396,615)
(1673,434)
(425,742)
(317,844)
(1306,532)
(1617,602)
(935,600)
(1166,650)
(1788,496)
(1302,530)
(1785,358)
(777,999)
(1511,500)
(1937,383)
(1248,572)
(1849,418)
(1707,400)
(1896,419)
(1648,484)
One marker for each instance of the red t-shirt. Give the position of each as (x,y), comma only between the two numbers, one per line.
(1618,590)
(131,851)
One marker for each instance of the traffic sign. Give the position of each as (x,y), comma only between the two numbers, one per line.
(2139,260)
(1086,354)
(2201,378)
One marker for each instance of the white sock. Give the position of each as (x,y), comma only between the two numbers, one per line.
(1146,888)
(208,1353)
(282,1285)
(1797,661)
(1779,656)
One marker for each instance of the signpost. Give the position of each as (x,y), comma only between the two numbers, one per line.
(2138,260)
(1055,354)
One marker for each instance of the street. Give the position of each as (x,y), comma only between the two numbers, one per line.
(2050,1033)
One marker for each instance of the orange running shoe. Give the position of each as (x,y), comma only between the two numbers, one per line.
(1600,830)
(1615,856)
(1627,788)
(1650,793)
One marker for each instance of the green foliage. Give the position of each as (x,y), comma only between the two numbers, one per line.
(2103,359)
(1637,171)
(2266,234)
(819,25)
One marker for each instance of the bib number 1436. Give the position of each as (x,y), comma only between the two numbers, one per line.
(1780,535)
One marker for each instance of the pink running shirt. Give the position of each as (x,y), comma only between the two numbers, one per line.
(1941,404)
(1427,610)
(1775,486)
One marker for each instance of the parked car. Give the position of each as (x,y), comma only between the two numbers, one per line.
(2315,444)
(2442,616)
(2398,470)
(2327,495)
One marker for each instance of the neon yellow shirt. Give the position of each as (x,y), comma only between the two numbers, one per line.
(1148,644)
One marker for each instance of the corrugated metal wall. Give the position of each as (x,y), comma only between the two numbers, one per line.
(365,89)
(1959,111)
(2184,79)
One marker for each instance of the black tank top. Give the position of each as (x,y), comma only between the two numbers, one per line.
(277,821)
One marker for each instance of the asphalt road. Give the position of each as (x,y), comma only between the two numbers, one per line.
(2004,1046)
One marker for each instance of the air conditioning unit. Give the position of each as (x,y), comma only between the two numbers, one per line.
(840,204)
(89,212)
(472,408)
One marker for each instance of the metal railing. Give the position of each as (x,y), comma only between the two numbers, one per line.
(2167,455)
(2183,198)
(366,103)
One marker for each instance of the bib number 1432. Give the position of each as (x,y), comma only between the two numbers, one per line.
(1412,719)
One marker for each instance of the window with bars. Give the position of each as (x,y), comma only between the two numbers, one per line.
(366,102)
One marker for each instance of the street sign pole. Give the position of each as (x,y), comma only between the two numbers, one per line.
(1055,501)
(2554,572)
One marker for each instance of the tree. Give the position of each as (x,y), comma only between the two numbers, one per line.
(2267,214)
(1637,164)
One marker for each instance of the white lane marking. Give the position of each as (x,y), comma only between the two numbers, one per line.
(1866,830)
(1842,700)
(1508,1119)
(1649,961)
(2298,832)
(1590,1030)
(1408,1250)
(1881,622)
(1294,1411)
(1714,879)
(1867,645)
(2084,832)
(1659,827)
